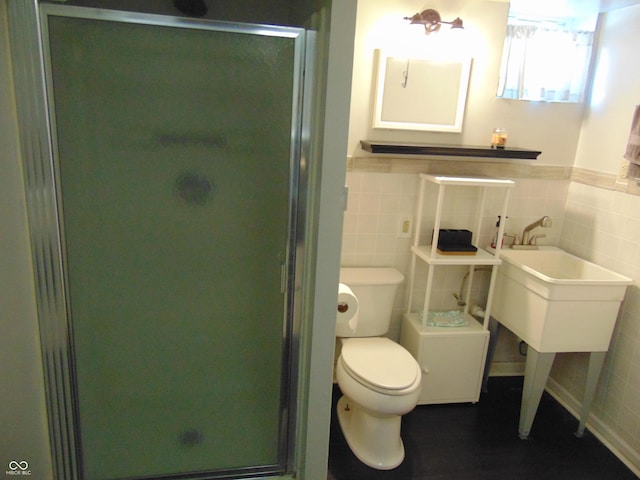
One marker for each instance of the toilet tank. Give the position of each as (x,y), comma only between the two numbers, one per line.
(375,289)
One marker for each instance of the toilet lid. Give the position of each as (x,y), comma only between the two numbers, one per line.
(380,362)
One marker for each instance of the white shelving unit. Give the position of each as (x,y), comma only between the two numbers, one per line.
(452,358)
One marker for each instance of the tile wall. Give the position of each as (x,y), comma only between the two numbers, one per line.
(379,202)
(603,226)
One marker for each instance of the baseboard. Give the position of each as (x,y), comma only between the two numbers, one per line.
(619,447)
(506,369)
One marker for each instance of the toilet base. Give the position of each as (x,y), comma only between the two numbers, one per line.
(375,440)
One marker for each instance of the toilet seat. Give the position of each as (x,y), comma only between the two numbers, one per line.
(380,364)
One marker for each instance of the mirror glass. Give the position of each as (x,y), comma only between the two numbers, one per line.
(420,93)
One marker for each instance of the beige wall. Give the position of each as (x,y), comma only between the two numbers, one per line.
(603,225)
(552,128)
(616,92)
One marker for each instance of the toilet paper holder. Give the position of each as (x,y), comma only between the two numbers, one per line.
(343,307)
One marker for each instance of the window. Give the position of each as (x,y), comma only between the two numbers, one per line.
(546,59)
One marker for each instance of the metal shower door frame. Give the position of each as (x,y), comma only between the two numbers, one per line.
(36,119)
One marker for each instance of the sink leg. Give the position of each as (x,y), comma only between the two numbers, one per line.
(494,331)
(536,373)
(596,359)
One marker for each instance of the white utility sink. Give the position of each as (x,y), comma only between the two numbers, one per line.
(556,268)
(556,302)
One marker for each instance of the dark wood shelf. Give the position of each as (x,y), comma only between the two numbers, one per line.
(399,148)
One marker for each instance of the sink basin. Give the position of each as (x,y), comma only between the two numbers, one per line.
(558,275)
(557,302)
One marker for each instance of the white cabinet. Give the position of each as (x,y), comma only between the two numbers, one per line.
(452,358)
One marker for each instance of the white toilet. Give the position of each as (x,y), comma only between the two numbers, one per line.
(379,379)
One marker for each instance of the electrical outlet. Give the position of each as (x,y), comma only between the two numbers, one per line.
(623,172)
(406,226)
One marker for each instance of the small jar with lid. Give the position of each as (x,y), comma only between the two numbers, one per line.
(499,138)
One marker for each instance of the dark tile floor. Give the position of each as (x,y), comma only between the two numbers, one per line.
(480,442)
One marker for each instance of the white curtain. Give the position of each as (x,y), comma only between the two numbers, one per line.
(544,61)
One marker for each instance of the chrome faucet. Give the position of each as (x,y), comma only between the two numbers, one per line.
(530,242)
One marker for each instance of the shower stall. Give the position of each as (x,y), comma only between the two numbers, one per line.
(165,174)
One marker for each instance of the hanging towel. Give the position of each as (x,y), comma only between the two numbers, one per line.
(633,146)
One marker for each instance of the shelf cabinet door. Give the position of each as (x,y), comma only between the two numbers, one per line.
(452,367)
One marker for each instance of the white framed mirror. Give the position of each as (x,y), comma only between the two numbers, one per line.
(420,93)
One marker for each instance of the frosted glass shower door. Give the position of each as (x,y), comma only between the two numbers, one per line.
(176,166)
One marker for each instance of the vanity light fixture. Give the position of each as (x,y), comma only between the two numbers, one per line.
(432,21)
